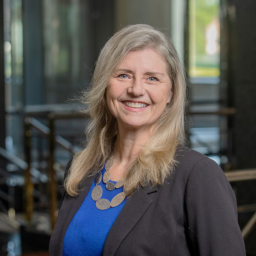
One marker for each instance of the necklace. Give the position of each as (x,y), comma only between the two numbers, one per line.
(102,203)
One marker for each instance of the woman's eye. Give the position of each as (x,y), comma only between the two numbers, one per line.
(152,78)
(123,76)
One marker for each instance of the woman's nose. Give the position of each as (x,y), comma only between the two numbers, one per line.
(137,88)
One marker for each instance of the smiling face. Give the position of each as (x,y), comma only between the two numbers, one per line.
(139,89)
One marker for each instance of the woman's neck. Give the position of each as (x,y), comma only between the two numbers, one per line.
(128,145)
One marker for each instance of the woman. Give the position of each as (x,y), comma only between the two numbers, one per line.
(134,189)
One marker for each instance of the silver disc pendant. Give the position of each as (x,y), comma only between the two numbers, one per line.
(118,199)
(110,186)
(120,183)
(103,204)
(97,193)
(106,176)
(98,178)
(109,164)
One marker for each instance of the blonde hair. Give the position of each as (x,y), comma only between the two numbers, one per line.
(156,159)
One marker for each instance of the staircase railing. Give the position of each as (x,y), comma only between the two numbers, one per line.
(49,132)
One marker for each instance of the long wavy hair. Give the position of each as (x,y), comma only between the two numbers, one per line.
(156,159)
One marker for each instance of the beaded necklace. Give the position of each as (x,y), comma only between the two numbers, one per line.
(102,203)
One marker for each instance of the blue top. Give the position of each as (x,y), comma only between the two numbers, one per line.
(89,228)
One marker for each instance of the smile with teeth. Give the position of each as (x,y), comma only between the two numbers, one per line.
(135,104)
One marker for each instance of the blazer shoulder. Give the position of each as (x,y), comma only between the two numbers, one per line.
(189,154)
(188,158)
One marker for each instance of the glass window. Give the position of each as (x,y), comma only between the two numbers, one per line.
(207,131)
(204,34)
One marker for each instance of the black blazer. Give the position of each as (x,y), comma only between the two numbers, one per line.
(193,213)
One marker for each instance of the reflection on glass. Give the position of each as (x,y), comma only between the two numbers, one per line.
(8,59)
(204,33)
(68,49)
(13,52)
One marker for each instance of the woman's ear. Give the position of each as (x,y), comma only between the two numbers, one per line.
(105,94)
(169,99)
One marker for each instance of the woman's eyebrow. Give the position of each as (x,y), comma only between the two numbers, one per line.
(153,73)
(150,73)
(123,70)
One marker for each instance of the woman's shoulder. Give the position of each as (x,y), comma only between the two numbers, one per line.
(202,181)
(190,163)
(189,158)
(184,154)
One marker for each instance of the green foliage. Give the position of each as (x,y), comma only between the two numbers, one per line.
(206,12)
(202,13)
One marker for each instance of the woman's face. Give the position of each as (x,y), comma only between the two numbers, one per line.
(139,89)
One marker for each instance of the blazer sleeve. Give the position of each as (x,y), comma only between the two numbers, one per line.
(211,213)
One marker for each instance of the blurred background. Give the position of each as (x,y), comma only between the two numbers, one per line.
(47,57)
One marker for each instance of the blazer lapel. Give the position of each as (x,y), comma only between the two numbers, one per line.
(68,210)
(133,210)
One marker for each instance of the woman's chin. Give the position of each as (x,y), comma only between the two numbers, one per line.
(135,125)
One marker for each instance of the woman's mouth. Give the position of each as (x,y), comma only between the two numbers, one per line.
(135,104)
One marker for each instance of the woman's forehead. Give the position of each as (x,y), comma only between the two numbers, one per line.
(150,58)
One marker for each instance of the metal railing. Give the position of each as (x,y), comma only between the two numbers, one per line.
(22,168)
(243,175)
(53,140)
